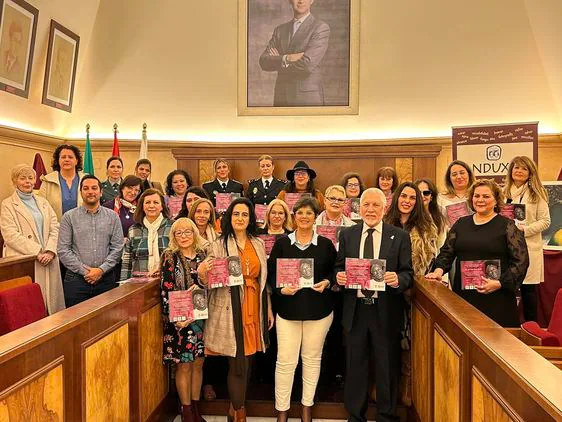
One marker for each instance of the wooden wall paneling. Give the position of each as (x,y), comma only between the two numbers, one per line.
(404,168)
(206,171)
(153,374)
(106,375)
(424,167)
(330,159)
(422,363)
(447,378)
(38,397)
(487,404)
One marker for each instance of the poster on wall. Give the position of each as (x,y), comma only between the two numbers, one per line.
(552,237)
(489,149)
(298,57)
(18,27)
(60,71)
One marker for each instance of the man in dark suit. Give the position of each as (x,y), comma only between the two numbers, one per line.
(295,52)
(265,189)
(373,320)
(222,183)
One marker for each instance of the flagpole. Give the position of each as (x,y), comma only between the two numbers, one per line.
(144,143)
(115,151)
(88,159)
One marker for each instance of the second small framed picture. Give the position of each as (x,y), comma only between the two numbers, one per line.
(60,72)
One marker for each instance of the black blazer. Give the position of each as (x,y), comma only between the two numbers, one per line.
(213,187)
(397,250)
(257,193)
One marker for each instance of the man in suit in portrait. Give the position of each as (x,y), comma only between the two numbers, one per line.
(295,52)
(222,183)
(265,189)
(373,320)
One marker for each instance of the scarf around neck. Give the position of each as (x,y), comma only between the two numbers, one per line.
(153,250)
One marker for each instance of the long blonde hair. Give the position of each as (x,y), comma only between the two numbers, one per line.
(534,184)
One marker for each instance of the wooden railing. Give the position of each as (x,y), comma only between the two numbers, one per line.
(102,361)
(98,361)
(466,367)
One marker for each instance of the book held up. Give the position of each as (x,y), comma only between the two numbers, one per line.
(365,274)
(295,273)
(473,271)
(226,272)
(187,305)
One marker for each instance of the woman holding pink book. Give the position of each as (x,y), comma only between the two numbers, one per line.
(239,316)
(304,315)
(477,241)
(301,181)
(183,341)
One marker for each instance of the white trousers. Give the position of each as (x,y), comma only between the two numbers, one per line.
(293,338)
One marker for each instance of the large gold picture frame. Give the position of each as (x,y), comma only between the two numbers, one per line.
(60,71)
(18,28)
(259,84)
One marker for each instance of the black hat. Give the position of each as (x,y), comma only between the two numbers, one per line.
(300,165)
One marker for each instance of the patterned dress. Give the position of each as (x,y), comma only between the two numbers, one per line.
(185,344)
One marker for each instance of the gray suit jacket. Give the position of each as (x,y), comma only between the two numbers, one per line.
(301,83)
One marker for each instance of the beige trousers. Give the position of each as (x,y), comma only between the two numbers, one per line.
(307,339)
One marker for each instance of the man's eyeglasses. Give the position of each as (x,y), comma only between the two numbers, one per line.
(426,192)
(337,200)
(183,233)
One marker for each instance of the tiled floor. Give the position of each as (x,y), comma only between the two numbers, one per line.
(250,419)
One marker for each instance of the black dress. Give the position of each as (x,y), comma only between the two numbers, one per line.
(500,239)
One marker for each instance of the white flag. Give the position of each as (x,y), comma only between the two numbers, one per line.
(144,144)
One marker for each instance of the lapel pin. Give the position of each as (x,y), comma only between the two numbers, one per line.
(392,237)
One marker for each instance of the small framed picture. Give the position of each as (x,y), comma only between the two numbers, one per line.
(60,72)
(18,27)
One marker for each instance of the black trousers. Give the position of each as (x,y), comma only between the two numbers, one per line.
(530,301)
(368,338)
(77,289)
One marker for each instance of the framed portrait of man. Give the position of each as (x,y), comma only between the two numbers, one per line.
(18,27)
(60,71)
(298,57)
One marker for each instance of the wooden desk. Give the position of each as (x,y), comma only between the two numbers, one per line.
(100,360)
(466,367)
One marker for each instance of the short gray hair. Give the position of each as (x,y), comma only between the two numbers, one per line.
(375,191)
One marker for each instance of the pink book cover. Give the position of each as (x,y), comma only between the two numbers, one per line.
(260,210)
(473,271)
(226,272)
(269,240)
(295,272)
(223,200)
(456,211)
(292,198)
(187,305)
(330,232)
(516,212)
(358,272)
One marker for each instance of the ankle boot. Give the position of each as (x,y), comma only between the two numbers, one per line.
(197,416)
(187,413)
(306,414)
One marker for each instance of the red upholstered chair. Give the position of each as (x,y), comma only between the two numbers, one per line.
(552,336)
(20,306)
